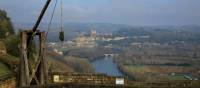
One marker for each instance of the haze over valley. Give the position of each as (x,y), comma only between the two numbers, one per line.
(135,40)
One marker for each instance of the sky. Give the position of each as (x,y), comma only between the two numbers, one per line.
(131,12)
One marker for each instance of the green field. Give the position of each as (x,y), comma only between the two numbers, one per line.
(176,77)
(147,72)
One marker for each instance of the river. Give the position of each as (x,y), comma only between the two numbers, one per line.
(106,66)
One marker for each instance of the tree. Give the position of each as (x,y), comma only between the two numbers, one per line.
(6,27)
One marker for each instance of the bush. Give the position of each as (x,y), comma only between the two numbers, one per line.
(12,43)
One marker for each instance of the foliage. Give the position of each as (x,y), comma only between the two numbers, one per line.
(12,45)
(4,69)
(6,27)
(2,47)
(56,65)
(7,35)
(68,63)
(89,53)
(10,61)
(79,64)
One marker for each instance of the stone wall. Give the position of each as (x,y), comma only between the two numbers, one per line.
(83,78)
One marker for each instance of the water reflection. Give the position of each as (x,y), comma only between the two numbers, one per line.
(106,66)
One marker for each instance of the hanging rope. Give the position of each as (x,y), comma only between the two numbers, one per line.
(52,15)
(61,34)
(61,15)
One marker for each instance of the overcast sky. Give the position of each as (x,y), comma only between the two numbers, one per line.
(133,12)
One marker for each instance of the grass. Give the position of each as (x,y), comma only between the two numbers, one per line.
(136,68)
(177,77)
(4,69)
(142,72)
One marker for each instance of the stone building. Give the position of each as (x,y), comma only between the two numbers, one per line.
(86,41)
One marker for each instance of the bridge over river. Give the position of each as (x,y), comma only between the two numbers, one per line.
(110,55)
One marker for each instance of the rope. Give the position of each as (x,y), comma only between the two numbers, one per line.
(61,20)
(50,22)
(61,15)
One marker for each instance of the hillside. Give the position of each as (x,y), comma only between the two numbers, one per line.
(8,45)
(59,63)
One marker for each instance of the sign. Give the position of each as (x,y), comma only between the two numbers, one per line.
(119,81)
(56,78)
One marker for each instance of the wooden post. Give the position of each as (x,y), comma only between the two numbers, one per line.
(24,69)
(40,71)
(43,63)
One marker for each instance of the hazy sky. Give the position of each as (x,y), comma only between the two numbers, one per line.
(133,12)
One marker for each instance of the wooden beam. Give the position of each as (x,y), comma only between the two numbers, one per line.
(24,69)
(43,64)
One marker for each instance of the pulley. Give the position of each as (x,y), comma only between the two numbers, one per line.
(61,36)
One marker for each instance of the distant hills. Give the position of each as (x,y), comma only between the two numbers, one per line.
(72,29)
(77,27)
